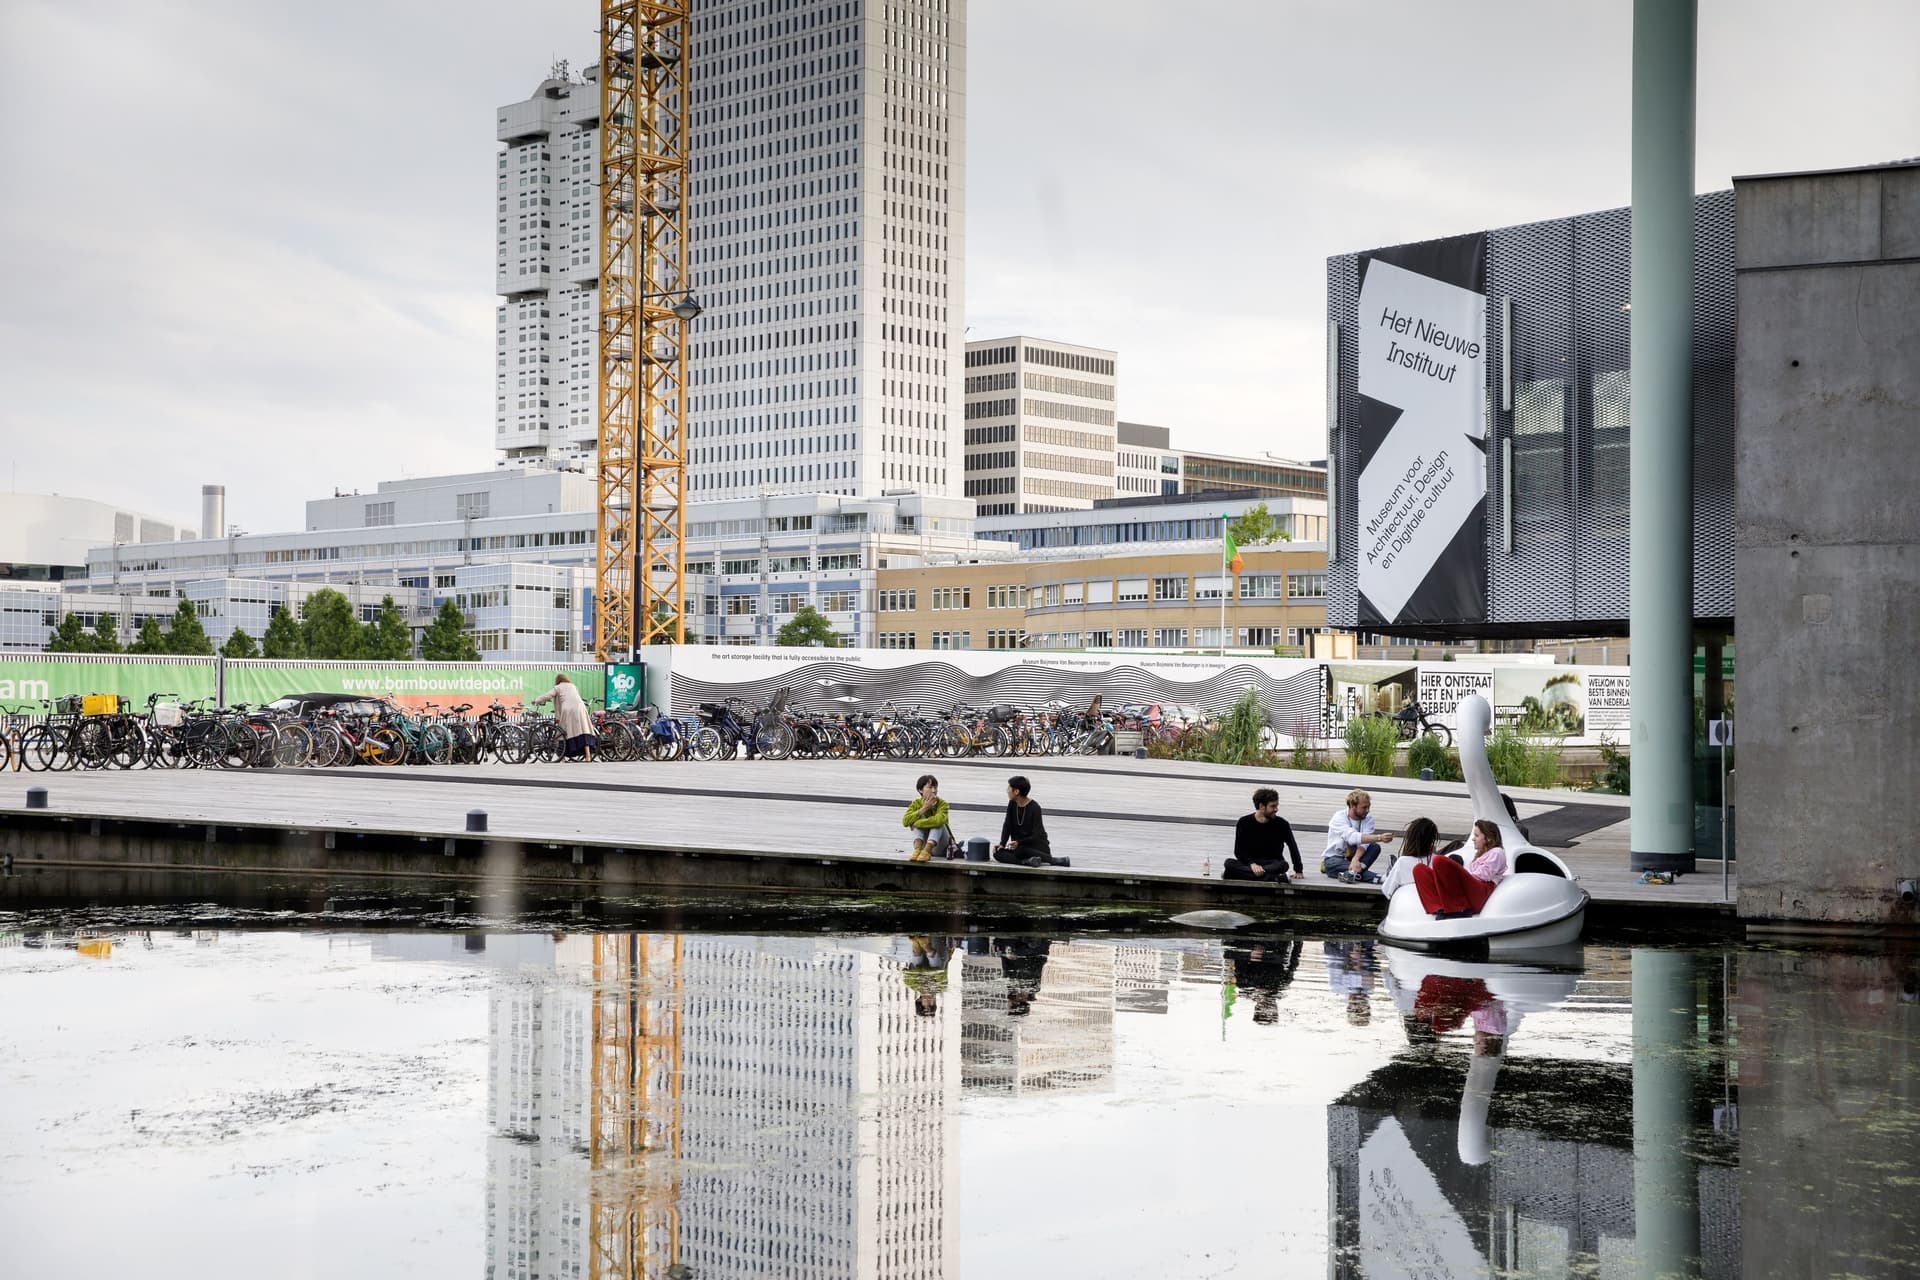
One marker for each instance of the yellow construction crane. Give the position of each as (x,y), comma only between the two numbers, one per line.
(635,1210)
(645,308)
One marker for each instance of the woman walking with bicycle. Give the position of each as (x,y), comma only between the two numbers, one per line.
(570,716)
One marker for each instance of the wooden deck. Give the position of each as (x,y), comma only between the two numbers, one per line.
(1151,818)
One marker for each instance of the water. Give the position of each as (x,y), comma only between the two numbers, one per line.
(373,1100)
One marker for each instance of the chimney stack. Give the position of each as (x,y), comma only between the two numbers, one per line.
(213,511)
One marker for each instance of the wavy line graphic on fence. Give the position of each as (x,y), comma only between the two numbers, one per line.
(935,687)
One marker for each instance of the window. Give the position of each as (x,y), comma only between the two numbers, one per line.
(1307,586)
(789,601)
(1259,637)
(1006,638)
(1006,597)
(1099,639)
(1169,588)
(895,640)
(789,564)
(1260,586)
(896,601)
(952,598)
(850,560)
(1100,592)
(1074,593)
(1211,588)
(379,515)
(1170,638)
(838,602)
(738,606)
(1133,638)
(740,566)
(952,640)
(1206,637)
(1133,590)
(471,506)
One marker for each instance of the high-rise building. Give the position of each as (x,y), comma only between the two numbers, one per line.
(827,237)
(1040,427)
(1149,466)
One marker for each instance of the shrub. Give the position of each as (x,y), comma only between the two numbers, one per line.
(1370,744)
(1616,776)
(1520,761)
(1427,753)
(1237,740)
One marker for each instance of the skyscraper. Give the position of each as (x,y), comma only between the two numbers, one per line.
(1040,429)
(827,242)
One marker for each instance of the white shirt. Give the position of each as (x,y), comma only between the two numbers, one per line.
(1400,873)
(1344,835)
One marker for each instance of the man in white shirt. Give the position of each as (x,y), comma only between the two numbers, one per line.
(1352,843)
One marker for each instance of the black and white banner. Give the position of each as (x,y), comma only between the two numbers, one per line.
(1422,486)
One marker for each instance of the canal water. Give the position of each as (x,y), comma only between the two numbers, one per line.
(295,1095)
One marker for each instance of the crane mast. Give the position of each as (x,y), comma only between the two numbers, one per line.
(640,569)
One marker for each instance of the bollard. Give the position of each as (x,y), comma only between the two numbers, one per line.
(36,797)
(1139,753)
(476,819)
(1426,775)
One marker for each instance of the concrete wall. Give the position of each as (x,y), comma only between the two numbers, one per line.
(1828,597)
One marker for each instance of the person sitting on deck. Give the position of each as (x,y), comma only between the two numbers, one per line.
(1421,837)
(1449,891)
(926,817)
(1352,843)
(1023,834)
(1261,842)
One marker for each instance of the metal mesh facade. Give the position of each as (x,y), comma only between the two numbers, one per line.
(1566,427)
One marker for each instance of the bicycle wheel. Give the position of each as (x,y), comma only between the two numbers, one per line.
(706,744)
(510,743)
(292,746)
(329,748)
(436,744)
(387,746)
(999,742)
(1441,734)
(774,741)
(40,749)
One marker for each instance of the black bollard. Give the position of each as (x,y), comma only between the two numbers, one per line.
(36,797)
(1426,775)
(1139,753)
(476,819)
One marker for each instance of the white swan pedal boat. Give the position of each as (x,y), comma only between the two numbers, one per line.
(1538,904)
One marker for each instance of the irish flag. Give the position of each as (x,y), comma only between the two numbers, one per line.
(1230,554)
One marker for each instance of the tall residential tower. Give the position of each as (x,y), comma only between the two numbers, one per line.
(827,241)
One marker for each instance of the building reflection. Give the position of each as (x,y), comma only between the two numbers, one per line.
(1467,1156)
(1039,1013)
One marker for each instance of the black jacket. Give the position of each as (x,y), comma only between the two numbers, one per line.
(1026,826)
(1265,842)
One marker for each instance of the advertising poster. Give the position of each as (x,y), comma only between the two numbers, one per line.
(1442,687)
(413,685)
(25,682)
(1542,700)
(1609,702)
(1422,478)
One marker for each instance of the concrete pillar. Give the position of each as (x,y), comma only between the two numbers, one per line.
(1662,449)
(1666,1187)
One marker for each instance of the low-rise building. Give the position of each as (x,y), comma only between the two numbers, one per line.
(1261,477)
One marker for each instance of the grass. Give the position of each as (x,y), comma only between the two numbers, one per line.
(1427,753)
(1520,761)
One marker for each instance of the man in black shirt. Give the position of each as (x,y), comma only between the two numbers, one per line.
(1261,840)
(1023,835)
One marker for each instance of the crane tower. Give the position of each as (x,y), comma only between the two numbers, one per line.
(640,573)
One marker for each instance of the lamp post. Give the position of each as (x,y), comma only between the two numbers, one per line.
(686,310)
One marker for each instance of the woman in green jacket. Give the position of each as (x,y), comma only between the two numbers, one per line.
(927,818)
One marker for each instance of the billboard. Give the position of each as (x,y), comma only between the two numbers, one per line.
(1421,455)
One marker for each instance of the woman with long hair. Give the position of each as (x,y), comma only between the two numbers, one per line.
(1420,838)
(1450,891)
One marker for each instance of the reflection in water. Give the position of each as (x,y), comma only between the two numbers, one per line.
(1466,1156)
(670,1105)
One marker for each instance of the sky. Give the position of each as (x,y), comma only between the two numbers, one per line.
(252,244)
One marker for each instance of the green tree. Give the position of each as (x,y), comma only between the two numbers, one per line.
(151,639)
(808,626)
(186,638)
(239,645)
(283,638)
(329,626)
(1255,526)
(662,618)
(448,640)
(388,638)
(106,635)
(69,637)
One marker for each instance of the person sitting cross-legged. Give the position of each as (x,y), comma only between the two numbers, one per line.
(1353,846)
(1261,842)
(1023,835)
(1450,891)
(927,818)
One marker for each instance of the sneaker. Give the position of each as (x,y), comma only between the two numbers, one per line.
(1347,877)
(1063,862)
(1367,877)
(1036,862)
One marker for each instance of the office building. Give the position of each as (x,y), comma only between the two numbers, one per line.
(1041,432)
(827,242)
(1147,466)
(45,537)
(1267,477)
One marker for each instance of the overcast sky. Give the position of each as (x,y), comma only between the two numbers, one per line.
(252,243)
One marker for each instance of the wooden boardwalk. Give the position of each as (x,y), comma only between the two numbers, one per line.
(1157,818)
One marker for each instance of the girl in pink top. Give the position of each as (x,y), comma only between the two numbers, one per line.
(1449,891)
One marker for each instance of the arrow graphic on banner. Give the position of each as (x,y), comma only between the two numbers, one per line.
(1423,360)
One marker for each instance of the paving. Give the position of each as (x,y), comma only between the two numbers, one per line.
(1152,817)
